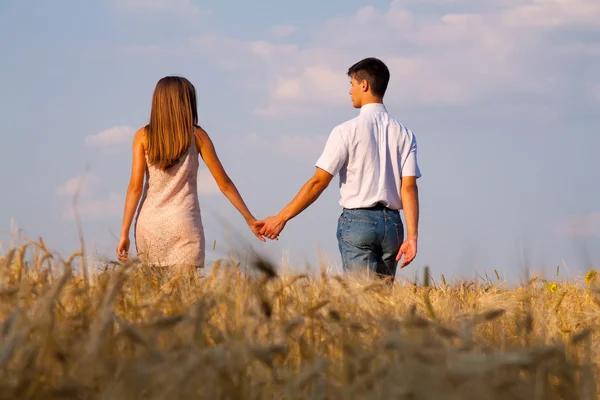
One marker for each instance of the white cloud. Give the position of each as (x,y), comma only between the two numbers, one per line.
(283,30)
(265,49)
(183,8)
(506,49)
(92,203)
(114,139)
(421,81)
(81,184)
(579,225)
(256,57)
(234,53)
(554,13)
(454,58)
(296,94)
(109,205)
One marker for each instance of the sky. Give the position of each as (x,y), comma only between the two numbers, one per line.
(503,97)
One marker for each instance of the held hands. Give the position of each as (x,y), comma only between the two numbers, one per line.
(409,250)
(270,227)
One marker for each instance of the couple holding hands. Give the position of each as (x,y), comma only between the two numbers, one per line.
(374,155)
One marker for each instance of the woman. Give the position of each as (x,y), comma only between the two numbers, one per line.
(168,229)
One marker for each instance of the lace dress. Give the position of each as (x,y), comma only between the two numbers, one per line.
(168,229)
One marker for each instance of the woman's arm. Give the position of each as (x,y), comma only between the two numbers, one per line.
(134,191)
(226,185)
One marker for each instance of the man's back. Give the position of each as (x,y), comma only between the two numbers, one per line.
(376,158)
(371,153)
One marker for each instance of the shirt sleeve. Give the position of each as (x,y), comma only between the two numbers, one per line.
(410,166)
(335,153)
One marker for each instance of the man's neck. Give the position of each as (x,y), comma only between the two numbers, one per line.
(372,100)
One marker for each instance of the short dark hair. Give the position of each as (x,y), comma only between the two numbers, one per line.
(374,71)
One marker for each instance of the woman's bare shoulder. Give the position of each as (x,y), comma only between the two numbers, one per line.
(201,137)
(200,131)
(141,136)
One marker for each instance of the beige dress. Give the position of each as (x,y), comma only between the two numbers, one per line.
(168,229)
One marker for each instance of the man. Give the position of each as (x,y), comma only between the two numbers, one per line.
(376,158)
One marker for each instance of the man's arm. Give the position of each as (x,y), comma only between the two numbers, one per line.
(409,194)
(310,192)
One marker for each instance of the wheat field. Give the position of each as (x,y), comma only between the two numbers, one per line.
(133,332)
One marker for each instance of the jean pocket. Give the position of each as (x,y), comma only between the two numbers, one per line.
(359,232)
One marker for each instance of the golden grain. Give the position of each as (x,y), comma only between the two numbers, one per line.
(140,333)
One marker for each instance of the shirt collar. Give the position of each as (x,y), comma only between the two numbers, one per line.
(373,107)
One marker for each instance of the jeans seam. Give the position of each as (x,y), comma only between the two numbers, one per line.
(400,235)
(362,220)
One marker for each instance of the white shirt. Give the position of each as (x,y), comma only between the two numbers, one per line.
(372,153)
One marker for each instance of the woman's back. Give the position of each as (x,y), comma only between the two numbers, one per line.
(168,224)
(168,229)
(176,186)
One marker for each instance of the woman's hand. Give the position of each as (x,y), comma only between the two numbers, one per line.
(134,192)
(123,248)
(256,227)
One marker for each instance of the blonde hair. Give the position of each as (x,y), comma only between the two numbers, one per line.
(173,120)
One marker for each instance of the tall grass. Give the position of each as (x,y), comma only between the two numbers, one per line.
(134,332)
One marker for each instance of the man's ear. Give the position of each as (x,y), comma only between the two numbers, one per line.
(364,85)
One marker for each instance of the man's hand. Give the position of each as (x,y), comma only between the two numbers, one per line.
(409,192)
(311,190)
(408,250)
(272,227)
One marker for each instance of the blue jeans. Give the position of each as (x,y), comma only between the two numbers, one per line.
(370,238)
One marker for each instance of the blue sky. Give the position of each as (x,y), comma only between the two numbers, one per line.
(503,96)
